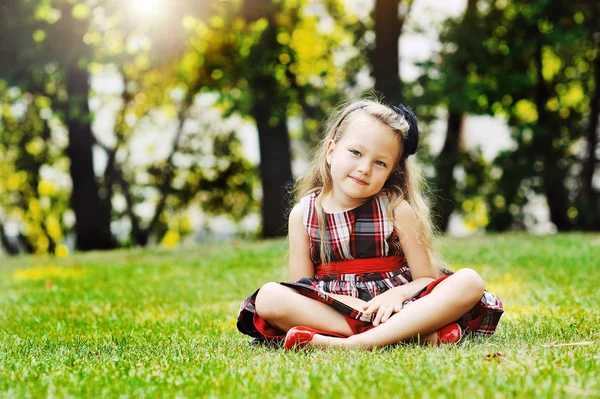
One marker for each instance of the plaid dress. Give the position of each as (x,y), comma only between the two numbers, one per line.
(365,232)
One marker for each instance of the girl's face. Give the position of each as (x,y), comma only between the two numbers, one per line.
(362,159)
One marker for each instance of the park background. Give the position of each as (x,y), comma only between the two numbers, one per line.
(148,122)
(148,149)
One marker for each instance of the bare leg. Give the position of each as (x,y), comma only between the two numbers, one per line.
(284,308)
(451,299)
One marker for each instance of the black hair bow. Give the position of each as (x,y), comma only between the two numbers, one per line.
(412,138)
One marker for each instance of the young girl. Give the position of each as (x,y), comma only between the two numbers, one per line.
(363,267)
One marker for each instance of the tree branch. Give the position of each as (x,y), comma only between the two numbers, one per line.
(169,168)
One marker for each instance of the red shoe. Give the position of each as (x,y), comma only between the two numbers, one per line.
(450,334)
(298,337)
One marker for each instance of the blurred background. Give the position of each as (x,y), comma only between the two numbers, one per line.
(156,122)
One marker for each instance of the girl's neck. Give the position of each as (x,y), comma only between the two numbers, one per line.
(332,204)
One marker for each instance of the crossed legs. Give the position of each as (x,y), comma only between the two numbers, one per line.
(285,308)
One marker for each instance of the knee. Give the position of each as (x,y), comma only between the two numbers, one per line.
(471,283)
(269,301)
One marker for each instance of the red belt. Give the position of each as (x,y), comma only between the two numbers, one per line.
(384,264)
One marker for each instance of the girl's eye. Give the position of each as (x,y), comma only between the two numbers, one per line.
(380,163)
(354,152)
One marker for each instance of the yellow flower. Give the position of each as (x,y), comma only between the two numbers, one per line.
(62,251)
(171,239)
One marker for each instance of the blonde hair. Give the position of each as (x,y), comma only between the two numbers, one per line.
(406,182)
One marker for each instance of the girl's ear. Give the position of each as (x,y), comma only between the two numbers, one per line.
(330,148)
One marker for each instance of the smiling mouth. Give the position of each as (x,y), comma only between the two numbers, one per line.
(359,181)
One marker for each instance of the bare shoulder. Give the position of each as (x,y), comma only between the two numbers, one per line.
(296,223)
(404,214)
(296,213)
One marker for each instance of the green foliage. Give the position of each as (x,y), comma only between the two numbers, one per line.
(192,49)
(529,63)
(205,166)
(33,169)
(543,49)
(53,37)
(228,54)
(162,323)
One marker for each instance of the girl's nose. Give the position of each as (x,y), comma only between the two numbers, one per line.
(364,167)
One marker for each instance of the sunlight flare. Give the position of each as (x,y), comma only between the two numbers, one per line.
(146,8)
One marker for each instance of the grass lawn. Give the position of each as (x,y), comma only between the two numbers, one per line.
(161,323)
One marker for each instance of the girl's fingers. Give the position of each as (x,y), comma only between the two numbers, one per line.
(372,308)
(380,314)
(389,310)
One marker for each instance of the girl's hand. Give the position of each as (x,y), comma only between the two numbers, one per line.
(385,305)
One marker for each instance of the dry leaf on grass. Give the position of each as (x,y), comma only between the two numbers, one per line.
(494,356)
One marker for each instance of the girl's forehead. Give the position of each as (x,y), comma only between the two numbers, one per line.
(365,123)
(362,120)
(370,131)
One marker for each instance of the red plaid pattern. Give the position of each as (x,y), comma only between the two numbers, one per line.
(481,320)
(362,232)
(359,233)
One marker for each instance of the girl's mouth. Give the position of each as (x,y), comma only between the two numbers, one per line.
(359,181)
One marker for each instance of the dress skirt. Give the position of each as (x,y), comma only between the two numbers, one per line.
(481,320)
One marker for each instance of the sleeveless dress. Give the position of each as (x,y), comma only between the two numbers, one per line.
(364,232)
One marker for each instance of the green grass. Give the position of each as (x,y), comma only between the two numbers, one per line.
(161,323)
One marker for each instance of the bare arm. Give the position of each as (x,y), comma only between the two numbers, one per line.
(421,268)
(300,262)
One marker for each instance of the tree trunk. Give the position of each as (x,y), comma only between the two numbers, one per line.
(274,141)
(448,158)
(556,194)
(445,164)
(9,247)
(554,177)
(92,213)
(589,195)
(275,169)
(385,58)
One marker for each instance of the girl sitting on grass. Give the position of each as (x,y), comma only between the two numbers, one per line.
(373,280)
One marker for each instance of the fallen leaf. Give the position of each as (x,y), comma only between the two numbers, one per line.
(494,356)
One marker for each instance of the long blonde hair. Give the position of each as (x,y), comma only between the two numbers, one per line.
(406,182)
